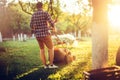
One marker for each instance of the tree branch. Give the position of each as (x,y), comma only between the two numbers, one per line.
(25,10)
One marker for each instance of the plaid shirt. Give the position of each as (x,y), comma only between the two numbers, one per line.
(39,23)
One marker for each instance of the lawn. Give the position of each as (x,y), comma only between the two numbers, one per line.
(21,61)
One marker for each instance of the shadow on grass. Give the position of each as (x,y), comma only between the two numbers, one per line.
(39,74)
(36,74)
(4,72)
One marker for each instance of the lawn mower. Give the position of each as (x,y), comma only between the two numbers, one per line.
(62,55)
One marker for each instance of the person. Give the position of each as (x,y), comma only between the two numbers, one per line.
(39,25)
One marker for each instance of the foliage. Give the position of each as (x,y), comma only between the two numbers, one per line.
(52,6)
(13,20)
(15,17)
(70,23)
(66,22)
(20,21)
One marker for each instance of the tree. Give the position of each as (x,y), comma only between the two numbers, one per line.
(13,20)
(80,22)
(53,7)
(4,20)
(20,21)
(99,34)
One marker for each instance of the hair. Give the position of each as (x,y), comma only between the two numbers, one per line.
(39,5)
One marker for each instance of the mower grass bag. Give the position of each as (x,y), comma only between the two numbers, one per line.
(63,56)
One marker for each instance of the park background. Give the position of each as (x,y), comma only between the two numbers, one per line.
(19,52)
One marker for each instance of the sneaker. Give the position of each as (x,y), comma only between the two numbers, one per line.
(52,66)
(45,66)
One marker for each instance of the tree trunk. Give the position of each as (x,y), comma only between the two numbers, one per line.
(118,57)
(0,37)
(99,34)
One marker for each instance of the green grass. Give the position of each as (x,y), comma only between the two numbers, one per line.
(22,61)
(20,56)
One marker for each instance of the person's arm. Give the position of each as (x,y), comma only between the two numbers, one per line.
(49,19)
(51,22)
(32,24)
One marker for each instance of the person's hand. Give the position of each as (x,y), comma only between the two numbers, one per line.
(32,31)
(54,30)
(55,20)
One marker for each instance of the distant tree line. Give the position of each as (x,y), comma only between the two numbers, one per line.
(15,17)
(13,20)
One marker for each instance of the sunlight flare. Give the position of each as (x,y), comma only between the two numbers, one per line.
(114,16)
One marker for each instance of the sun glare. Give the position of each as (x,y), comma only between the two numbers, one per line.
(114,16)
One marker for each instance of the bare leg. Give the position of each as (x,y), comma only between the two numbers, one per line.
(51,55)
(42,56)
